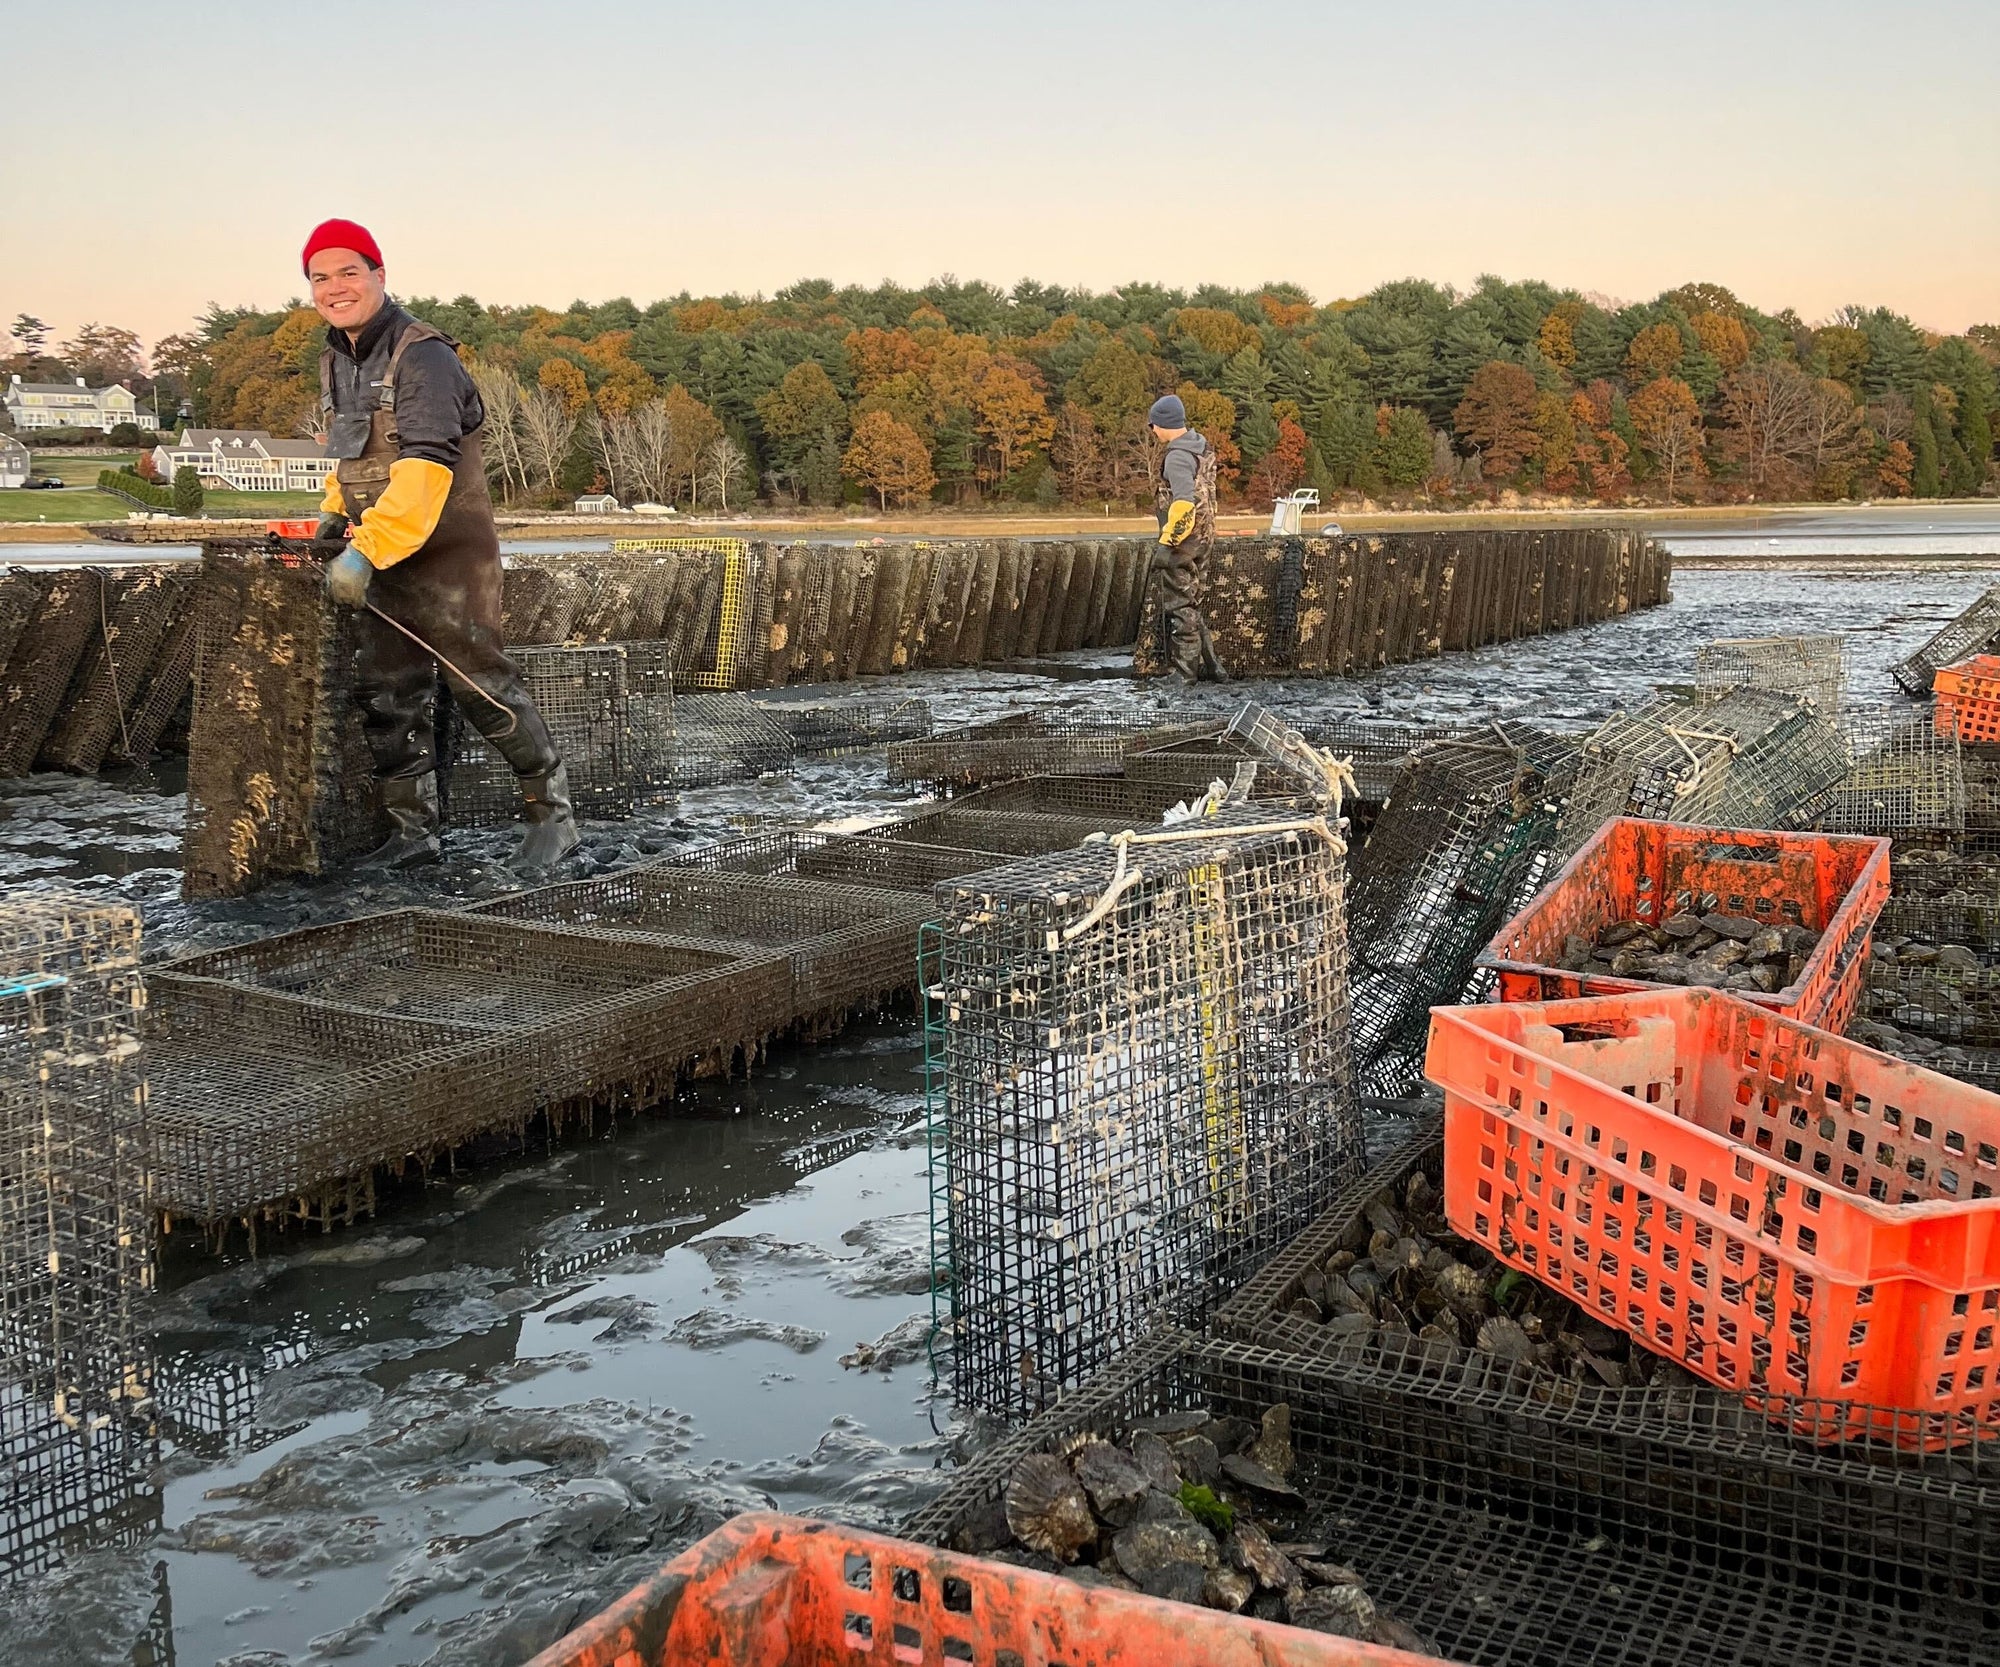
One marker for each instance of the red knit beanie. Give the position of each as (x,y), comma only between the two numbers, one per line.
(340,234)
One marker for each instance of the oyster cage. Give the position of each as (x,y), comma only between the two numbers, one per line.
(1735,758)
(1906,777)
(1974,631)
(1810,668)
(831,727)
(614,764)
(1139,1088)
(1465,837)
(279,777)
(1023,744)
(76,1228)
(1504,1536)
(864,859)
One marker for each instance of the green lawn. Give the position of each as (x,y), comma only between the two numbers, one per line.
(87,504)
(67,505)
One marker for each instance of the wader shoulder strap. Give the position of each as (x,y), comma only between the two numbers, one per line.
(416,331)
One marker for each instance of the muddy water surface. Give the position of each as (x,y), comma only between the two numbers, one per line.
(446,1436)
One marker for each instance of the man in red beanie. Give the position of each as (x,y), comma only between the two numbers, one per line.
(403,424)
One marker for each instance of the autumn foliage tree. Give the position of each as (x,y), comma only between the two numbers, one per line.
(1013,415)
(888,458)
(1497,415)
(1655,352)
(1668,420)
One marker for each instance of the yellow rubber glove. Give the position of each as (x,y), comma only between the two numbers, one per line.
(1180,522)
(406,514)
(332,503)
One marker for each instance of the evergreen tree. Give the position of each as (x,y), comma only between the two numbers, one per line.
(1403,453)
(1256,431)
(187,491)
(1342,439)
(1924,479)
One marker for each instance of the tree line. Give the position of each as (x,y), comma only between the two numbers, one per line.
(961,393)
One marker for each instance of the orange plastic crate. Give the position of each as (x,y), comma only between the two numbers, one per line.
(1640,870)
(778,1591)
(1777,1208)
(1968,700)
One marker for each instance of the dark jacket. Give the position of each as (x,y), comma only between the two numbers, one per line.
(436,403)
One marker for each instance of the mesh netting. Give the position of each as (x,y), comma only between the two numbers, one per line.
(60,621)
(1734,758)
(581,695)
(1975,631)
(279,778)
(1811,668)
(1503,1530)
(1467,834)
(1141,1080)
(1906,777)
(849,946)
(76,1228)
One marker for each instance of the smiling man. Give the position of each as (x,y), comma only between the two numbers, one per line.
(409,492)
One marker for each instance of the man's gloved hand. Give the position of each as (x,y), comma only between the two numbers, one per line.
(1180,522)
(332,529)
(347,577)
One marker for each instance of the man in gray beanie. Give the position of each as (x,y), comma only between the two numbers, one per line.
(1184,501)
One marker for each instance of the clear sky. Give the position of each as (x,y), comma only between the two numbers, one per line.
(158,158)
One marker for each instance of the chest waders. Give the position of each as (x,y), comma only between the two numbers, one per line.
(447,593)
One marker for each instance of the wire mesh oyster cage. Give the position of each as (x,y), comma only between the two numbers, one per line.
(1810,668)
(848,945)
(1140,1086)
(865,859)
(582,696)
(1021,744)
(1906,777)
(1733,758)
(1500,1532)
(573,1013)
(1467,833)
(833,725)
(1975,631)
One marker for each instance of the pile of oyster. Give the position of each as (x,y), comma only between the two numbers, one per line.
(1934,1004)
(1404,1283)
(1189,1506)
(1700,946)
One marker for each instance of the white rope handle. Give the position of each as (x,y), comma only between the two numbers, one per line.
(1128,874)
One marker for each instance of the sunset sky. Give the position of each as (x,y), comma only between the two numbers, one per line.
(1806,155)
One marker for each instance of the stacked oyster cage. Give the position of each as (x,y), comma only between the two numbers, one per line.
(1140,1085)
(1733,757)
(76,1226)
(1467,833)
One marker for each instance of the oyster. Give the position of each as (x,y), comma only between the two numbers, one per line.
(1047,1508)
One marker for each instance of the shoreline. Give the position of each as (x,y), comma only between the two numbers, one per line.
(1717,518)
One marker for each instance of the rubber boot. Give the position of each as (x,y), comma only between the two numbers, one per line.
(411,804)
(1211,663)
(551,833)
(1184,645)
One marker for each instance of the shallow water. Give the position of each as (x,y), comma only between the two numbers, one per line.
(449,1434)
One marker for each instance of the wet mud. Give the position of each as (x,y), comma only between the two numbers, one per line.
(448,1435)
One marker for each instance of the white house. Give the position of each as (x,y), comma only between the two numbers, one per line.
(596,503)
(13,462)
(244,460)
(73,405)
